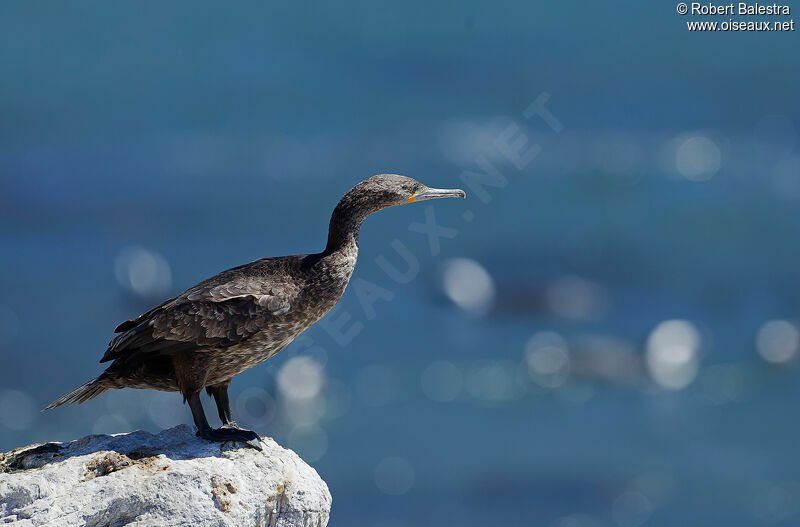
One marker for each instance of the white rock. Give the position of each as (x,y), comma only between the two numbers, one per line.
(173,478)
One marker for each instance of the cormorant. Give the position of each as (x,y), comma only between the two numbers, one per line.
(227,324)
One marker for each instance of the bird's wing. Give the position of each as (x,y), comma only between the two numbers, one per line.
(219,312)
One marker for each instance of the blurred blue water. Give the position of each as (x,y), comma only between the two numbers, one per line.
(211,136)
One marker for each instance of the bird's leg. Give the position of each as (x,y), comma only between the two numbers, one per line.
(220,394)
(198,414)
(220,434)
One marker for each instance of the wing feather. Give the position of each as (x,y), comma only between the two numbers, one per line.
(218,312)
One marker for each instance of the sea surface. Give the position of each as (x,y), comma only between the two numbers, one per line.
(604,333)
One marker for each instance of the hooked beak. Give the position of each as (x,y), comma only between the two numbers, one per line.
(436,193)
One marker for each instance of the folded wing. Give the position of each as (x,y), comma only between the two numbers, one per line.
(217,313)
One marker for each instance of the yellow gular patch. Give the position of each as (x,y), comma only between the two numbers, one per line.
(412,198)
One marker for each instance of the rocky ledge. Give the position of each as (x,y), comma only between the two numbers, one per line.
(169,479)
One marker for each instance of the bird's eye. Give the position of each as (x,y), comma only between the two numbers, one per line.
(413,190)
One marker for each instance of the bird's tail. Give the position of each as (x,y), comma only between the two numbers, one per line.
(79,395)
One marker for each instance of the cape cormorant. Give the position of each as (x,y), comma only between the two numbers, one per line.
(227,324)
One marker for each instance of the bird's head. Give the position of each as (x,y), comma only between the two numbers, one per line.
(388,190)
(374,194)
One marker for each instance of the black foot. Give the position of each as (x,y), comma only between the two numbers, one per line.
(227,433)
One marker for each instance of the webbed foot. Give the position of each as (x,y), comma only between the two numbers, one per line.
(229,433)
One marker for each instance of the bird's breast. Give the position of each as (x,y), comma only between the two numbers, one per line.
(323,286)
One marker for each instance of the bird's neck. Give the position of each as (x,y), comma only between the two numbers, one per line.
(344,227)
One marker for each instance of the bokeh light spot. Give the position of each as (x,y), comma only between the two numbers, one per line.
(394,476)
(492,381)
(468,285)
(547,358)
(255,407)
(575,298)
(301,378)
(672,353)
(143,272)
(777,341)
(631,509)
(698,158)
(441,381)
(165,411)
(17,410)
